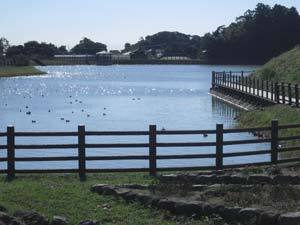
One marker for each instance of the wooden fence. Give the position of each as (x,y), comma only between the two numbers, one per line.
(269,91)
(218,155)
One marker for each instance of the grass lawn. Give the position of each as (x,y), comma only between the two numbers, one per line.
(65,195)
(261,118)
(285,68)
(19,71)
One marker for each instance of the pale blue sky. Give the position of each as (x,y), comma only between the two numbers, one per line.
(114,22)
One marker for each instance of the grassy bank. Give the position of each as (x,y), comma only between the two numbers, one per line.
(285,68)
(65,195)
(19,71)
(260,118)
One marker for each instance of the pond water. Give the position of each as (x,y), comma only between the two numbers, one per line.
(119,97)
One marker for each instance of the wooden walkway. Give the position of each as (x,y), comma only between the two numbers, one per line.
(264,91)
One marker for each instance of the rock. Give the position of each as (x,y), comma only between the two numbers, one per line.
(206,179)
(98,188)
(58,220)
(249,216)
(198,187)
(153,201)
(143,199)
(129,196)
(121,191)
(2,209)
(5,218)
(231,213)
(259,179)
(224,179)
(168,177)
(210,209)
(268,218)
(32,218)
(108,190)
(89,222)
(15,222)
(289,219)
(234,179)
(280,179)
(188,208)
(166,204)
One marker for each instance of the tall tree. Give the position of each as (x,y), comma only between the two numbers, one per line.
(4,45)
(255,37)
(87,46)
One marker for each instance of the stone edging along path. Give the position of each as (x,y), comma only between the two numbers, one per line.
(231,179)
(246,216)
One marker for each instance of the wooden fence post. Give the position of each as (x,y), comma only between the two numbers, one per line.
(272,91)
(219,147)
(10,152)
(262,89)
(267,89)
(274,141)
(297,95)
(152,150)
(230,78)
(81,153)
(213,80)
(257,88)
(242,80)
(283,92)
(290,93)
(253,84)
(277,98)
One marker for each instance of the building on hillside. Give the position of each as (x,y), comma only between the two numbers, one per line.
(121,57)
(104,58)
(175,58)
(74,59)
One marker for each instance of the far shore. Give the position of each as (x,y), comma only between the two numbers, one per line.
(11,71)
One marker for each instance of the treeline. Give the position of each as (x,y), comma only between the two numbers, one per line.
(33,50)
(253,38)
(164,44)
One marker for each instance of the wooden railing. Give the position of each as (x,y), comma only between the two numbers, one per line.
(151,145)
(273,92)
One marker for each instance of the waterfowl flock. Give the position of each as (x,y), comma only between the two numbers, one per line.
(29,111)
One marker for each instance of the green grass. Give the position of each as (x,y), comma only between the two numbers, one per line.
(65,195)
(261,118)
(285,68)
(19,71)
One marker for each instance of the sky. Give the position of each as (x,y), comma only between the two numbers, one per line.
(115,22)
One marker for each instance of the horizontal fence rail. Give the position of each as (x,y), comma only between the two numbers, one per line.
(263,90)
(82,145)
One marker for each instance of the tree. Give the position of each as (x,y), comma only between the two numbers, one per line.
(255,37)
(4,45)
(127,47)
(15,50)
(62,50)
(167,44)
(87,46)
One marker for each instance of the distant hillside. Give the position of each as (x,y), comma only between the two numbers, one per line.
(285,67)
(166,44)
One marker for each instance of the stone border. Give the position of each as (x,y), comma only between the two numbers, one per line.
(231,179)
(197,209)
(34,218)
